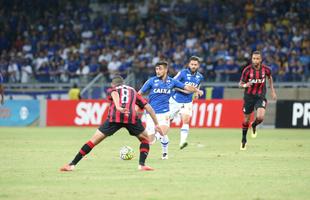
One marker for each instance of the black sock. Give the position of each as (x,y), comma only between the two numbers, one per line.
(256,122)
(245,126)
(86,148)
(144,151)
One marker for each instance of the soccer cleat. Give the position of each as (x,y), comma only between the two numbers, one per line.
(183,145)
(67,168)
(243,146)
(165,156)
(145,168)
(254,132)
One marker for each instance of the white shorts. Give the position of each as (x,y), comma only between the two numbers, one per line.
(182,108)
(163,120)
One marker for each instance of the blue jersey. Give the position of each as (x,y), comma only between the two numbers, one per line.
(160,92)
(185,76)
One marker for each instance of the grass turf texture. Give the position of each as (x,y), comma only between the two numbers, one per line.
(275,166)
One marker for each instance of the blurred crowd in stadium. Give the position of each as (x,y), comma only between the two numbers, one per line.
(69,41)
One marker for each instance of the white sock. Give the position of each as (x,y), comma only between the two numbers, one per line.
(158,136)
(164,143)
(184,133)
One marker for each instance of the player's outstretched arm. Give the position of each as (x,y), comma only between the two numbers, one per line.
(197,95)
(184,91)
(115,97)
(150,110)
(191,88)
(273,92)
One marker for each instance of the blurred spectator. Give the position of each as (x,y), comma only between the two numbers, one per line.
(67,40)
(113,66)
(210,70)
(43,73)
(220,71)
(232,70)
(26,71)
(74,92)
(295,71)
(71,68)
(13,72)
(83,72)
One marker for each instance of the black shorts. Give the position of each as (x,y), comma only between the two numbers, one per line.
(109,128)
(249,103)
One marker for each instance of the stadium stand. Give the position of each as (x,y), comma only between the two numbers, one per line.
(54,41)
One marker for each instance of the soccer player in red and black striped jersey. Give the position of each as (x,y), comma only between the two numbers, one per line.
(122,113)
(253,80)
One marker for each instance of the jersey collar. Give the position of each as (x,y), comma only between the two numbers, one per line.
(163,80)
(252,66)
(189,71)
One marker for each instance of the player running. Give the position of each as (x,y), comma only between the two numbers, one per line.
(253,80)
(181,100)
(160,88)
(122,113)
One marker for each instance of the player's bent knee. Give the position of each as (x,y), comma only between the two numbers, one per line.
(97,137)
(260,118)
(246,121)
(143,136)
(186,121)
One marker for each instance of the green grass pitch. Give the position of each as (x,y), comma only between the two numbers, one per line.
(276,165)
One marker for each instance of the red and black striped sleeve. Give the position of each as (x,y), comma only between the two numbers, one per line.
(109,93)
(267,70)
(245,74)
(140,101)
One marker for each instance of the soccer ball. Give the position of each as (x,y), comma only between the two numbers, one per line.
(126,153)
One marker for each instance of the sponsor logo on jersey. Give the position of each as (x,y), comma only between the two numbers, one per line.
(162,90)
(191,83)
(257,80)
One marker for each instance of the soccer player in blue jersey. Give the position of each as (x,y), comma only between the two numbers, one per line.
(1,90)
(160,88)
(181,101)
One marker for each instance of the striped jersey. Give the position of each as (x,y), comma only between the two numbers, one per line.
(128,98)
(258,79)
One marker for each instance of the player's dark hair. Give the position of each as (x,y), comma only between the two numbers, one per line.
(117,80)
(195,58)
(164,63)
(257,53)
